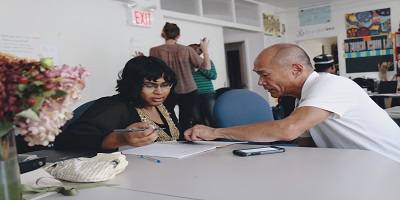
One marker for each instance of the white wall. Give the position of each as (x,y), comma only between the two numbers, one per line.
(96,34)
(338,12)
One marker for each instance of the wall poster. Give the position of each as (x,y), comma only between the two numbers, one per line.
(315,22)
(30,46)
(272,25)
(366,54)
(313,16)
(368,23)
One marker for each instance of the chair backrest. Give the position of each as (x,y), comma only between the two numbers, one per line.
(240,107)
(78,112)
(222,90)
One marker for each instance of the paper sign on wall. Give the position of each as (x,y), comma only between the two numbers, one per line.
(30,46)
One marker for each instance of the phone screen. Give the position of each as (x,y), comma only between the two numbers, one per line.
(258,149)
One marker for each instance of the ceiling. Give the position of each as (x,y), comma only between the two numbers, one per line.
(293,4)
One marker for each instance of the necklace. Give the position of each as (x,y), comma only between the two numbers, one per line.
(162,136)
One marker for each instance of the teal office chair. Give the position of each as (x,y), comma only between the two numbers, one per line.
(78,112)
(240,107)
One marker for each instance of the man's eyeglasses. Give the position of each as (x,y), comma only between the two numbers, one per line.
(153,86)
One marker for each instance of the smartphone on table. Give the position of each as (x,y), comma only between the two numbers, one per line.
(258,151)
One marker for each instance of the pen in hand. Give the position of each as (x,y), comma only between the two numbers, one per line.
(135,129)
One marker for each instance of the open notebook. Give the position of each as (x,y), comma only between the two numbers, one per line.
(175,149)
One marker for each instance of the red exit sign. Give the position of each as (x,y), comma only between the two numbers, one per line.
(141,18)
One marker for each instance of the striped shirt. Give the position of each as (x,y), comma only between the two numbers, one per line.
(203,79)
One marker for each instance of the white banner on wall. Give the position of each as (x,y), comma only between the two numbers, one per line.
(29,46)
(313,31)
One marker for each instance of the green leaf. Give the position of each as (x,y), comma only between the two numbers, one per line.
(29,114)
(5,127)
(21,87)
(39,101)
(59,93)
(49,93)
(38,83)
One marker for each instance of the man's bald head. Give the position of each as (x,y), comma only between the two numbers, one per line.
(284,55)
(283,69)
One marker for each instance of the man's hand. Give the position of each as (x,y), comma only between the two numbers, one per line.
(200,132)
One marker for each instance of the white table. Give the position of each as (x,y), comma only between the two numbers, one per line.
(298,173)
(380,99)
(394,113)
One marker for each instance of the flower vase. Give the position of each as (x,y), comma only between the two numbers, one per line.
(9,168)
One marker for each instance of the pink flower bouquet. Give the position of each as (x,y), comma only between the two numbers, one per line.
(35,96)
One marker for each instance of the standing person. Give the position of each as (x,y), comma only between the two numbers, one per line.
(336,111)
(143,85)
(204,106)
(324,63)
(180,58)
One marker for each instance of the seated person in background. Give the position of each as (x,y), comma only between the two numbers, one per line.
(143,85)
(204,105)
(324,63)
(336,111)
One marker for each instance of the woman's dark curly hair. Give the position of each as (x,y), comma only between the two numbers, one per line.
(137,70)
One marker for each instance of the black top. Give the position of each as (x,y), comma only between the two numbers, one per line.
(99,120)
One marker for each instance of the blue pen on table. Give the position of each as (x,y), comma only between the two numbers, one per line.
(150,158)
(135,129)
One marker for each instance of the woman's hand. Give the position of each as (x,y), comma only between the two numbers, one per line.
(140,138)
(138,53)
(204,45)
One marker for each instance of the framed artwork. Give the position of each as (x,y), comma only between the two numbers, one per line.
(368,23)
(366,54)
(313,16)
(272,25)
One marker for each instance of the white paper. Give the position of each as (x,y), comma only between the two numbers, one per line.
(174,149)
(218,144)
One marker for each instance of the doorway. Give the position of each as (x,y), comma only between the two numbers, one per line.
(236,68)
(319,46)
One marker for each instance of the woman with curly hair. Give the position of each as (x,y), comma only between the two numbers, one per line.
(143,85)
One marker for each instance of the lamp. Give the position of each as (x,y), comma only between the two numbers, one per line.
(152,8)
(131,3)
